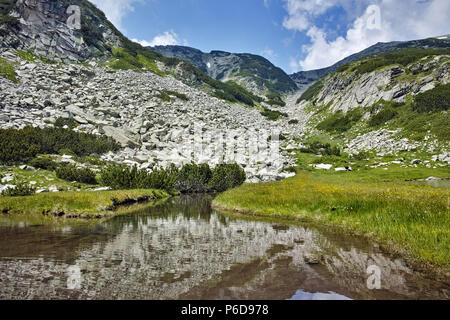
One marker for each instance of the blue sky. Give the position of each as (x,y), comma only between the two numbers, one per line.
(294,34)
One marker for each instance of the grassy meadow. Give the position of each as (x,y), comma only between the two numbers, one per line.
(80,205)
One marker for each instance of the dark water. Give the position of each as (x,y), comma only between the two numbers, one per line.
(184,250)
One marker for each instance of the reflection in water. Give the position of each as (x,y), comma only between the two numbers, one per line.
(302,295)
(183,250)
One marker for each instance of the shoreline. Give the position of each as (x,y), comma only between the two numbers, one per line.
(73,206)
(442,273)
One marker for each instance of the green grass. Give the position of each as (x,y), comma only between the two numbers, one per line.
(82,205)
(410,219)
(273,115)
(7,70)
(340,122)
(312,91)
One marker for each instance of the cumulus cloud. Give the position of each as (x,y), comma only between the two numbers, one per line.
(372,22)
(115,10)
(168,38)
(268,53)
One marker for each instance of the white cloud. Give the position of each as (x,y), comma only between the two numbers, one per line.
(268,54)
(168,38)
(398,20)
(115,10)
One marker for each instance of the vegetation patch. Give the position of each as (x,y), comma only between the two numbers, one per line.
(189,179)
(25,144)
(7,71)
(340,122)
(275,99)
(70,172)
(5,8)
(414,218)
(20,189)
(273,115)
(83,205)
(312,91)
(437,99)
(402,57)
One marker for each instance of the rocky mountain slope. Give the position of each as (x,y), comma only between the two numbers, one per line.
(390,102)
(304,79)
(251,71)
(130,107)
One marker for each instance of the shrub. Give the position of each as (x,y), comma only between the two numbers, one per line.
(7,71)
(325,149)
(437,99)
(402,57)
(71,173)
(382,117)
(164,97)
(226,176)
(190,178)
(62,122)
(275,100)
(44,164)
(193,178)
(21,189)
(293,121)
(312,91)
(25,144)
(273,115)
(340,122)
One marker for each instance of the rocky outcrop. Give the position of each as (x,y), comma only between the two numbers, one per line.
(304,79)
(348,91)
(45,27)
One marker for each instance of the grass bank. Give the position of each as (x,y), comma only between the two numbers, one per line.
(409,219)
(78,205)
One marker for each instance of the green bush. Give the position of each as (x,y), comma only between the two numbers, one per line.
(21,189)
(190,178)
(25,144)
(324,149)
(273,115)
(164,97)
(70,172)
(5,8)
(275,100)
(193,178)
(340,122)
(437,99)
(44,164)
(382,117)
(293,121)
(402,57)
(62,122)
(7,71)
(312,91)
(226,176)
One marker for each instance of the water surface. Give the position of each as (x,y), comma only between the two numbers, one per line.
(185,250)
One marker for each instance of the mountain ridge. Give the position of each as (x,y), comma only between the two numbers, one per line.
(254,72)
(304,79)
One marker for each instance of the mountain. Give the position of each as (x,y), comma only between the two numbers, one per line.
(42,26)
(94,80)
(251,71)
(304,79)
(396,101)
